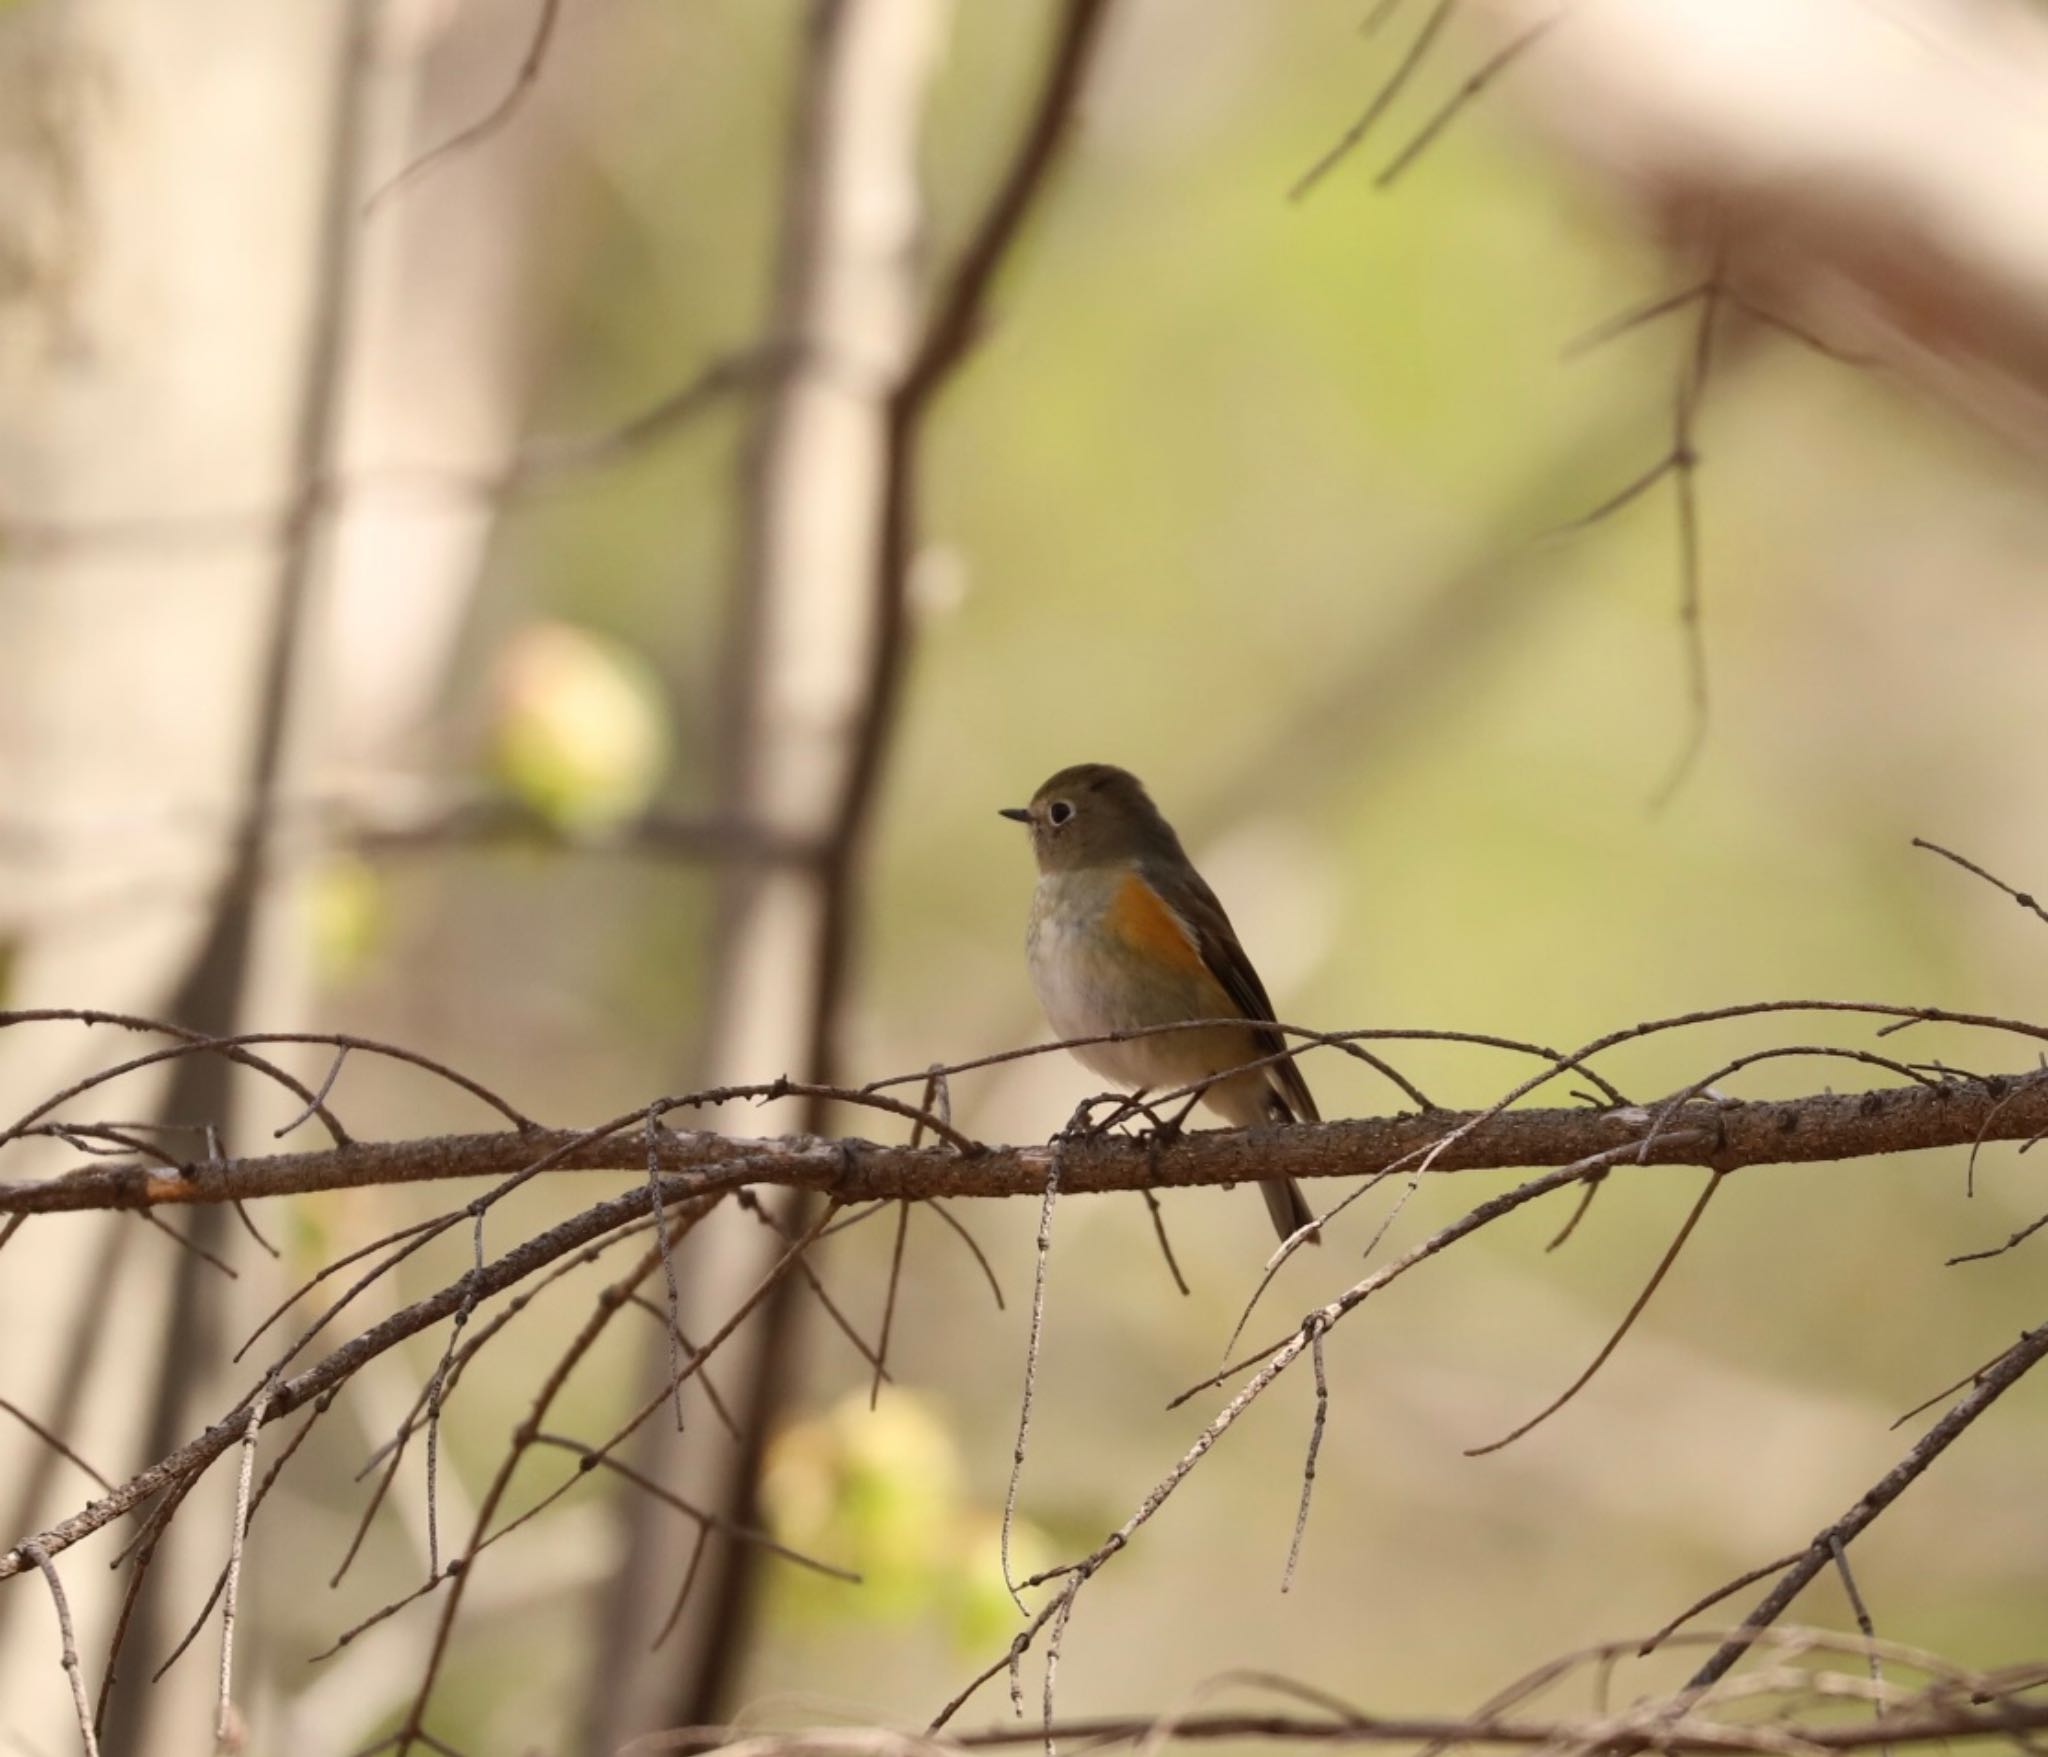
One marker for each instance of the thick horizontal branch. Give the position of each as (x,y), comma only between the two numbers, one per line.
(1665,1730)
(1723,1135)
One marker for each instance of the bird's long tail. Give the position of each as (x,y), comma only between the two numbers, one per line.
(1288,1207)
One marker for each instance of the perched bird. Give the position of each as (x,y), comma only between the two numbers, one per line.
(1124,934)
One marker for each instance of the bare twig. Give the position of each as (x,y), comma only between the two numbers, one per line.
(1863,1621)
(1613,1342)
(224,1712)
(1474,84)
(1308,1468)
(493,119)
(1052,1191)
(52,1441)
(1165,1244)
(2024,899)
(1874,1500)
(1390,89)
(68,1656)
(889,1304)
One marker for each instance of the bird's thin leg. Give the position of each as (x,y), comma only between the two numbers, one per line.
(1169,1128)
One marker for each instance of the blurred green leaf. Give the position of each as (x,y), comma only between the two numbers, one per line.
(580,728)
(348,917)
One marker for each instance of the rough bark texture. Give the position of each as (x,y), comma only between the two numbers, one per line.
(1724,1135)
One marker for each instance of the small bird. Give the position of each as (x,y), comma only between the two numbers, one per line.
(1124,934)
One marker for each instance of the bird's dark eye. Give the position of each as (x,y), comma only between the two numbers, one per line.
(1058,812)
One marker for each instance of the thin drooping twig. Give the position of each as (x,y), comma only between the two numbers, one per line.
(682,1597)
(1308,1468)
(1613,1342)
(674,1325)
(1052,1191)
(190,1042)
(593,1457)
(320,1407)
(1863,1622)
(1727,1590)
(313,1104)
(2023,1355)
(1622,323)
(846,1327)
(1468,93)
(889,1304)
(1165,1244)
(2018,1238)
(143,1548)
(68,1656)
(52,1441)
(1691,393)
(1972,1377)
(475,133)
(185,1463)
(1564,1233)
(1390,89)
(974,1249)
(224,1709)
(437,1386)
(1277,1362)
(2025,899)
(1483,1215)
(525,1434)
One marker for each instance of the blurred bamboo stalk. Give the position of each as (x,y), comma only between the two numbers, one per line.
(798,668)
(177,342)
(211,994)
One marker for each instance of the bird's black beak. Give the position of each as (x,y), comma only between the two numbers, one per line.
(1016,813)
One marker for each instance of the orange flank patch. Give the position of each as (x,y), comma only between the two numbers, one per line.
(1141,918)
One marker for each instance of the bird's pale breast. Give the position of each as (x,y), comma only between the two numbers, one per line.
(1106,955)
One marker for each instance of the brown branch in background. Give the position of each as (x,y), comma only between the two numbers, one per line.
(2024,899)
(546,462)
(1999,1379)
(1468,93)
(1390,89)
(493,119)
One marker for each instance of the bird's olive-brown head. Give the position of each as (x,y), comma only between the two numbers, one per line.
(1094,814)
